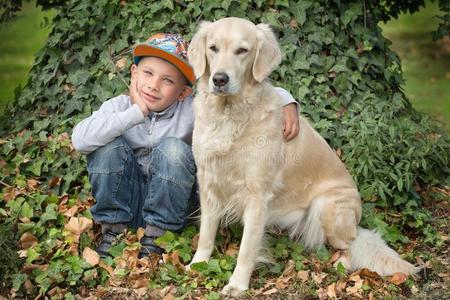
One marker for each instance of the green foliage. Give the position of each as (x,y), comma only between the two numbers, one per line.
(9,260)
(336,62)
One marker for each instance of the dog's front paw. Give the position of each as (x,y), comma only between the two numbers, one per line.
(233,290)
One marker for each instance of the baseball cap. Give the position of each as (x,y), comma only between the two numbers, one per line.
(168,46)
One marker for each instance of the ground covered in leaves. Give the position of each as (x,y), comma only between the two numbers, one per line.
(65,266)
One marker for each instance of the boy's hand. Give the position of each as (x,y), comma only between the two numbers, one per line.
(291,125)
(136,97)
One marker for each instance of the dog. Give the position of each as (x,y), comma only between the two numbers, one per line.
(247,173)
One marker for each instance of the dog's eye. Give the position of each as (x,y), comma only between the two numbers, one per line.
(213,48)
(240,51)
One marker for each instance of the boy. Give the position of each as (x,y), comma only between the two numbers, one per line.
(140,162)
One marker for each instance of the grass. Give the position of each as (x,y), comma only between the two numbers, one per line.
(20,40)
(425,63)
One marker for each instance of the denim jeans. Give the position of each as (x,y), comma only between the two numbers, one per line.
(126,193)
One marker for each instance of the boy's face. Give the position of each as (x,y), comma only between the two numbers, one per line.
(159,83)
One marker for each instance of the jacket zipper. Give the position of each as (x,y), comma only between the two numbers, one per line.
(152,124)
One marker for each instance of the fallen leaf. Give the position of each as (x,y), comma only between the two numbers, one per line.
(318,278)
(232,249)
(289,269)
(270,292)
(78,225)
(194,242)
(165,291)
(367,273)
(322,293)
(331,290)
(121,63)
(336,254)
(341,285)
(27,240)
(281,284)
(354,290)
(140,233)
(105,266)
(398,278)
(54,182)
(33,184)
(303,275)
(91,256)
(11,193)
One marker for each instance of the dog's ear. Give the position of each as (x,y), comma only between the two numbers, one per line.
(268,53)
(197,49)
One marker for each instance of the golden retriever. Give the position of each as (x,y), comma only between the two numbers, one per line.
(247,172)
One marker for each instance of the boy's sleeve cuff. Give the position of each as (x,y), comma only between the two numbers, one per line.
(286,97)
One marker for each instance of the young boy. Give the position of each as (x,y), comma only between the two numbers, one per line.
(140,162)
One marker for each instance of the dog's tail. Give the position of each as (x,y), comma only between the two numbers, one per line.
(370,251)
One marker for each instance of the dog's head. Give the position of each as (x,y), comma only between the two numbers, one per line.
(232,52)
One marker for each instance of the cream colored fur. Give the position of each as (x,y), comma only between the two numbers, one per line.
(247,173)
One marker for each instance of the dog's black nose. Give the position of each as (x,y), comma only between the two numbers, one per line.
(220,79)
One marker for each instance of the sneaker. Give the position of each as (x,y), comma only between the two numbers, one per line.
(108,238)
(149,246)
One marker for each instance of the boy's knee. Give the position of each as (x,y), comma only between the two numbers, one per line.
(109,158)
(176,151)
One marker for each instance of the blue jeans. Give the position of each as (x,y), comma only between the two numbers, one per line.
(165,197)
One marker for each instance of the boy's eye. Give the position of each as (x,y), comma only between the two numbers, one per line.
(213,49)
(241,51)
(148,72)
(169,80)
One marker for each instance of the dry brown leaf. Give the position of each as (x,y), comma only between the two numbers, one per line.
(369,274)
(140,233)
(11,193)
(2,141)
(141,283)
(322,293)
(71,212)
(54,182)
(318,278)
(121,63)
(91,256)
(303,275)
(398,278)
(232,249)
(289,269)
(142,291)
(27,240)
(165,291)
(28,268)
(105,266)
(173,258)
(331,290)
(194,242)
(280,284)
(78,225)
(33,184)
(354,290)
(341,285)
(270,292)
(336,254)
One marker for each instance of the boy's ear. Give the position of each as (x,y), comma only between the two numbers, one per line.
(197,49)
(133,70)
(186,92)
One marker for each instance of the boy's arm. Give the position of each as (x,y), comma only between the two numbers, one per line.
(290,114)
(106,124)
